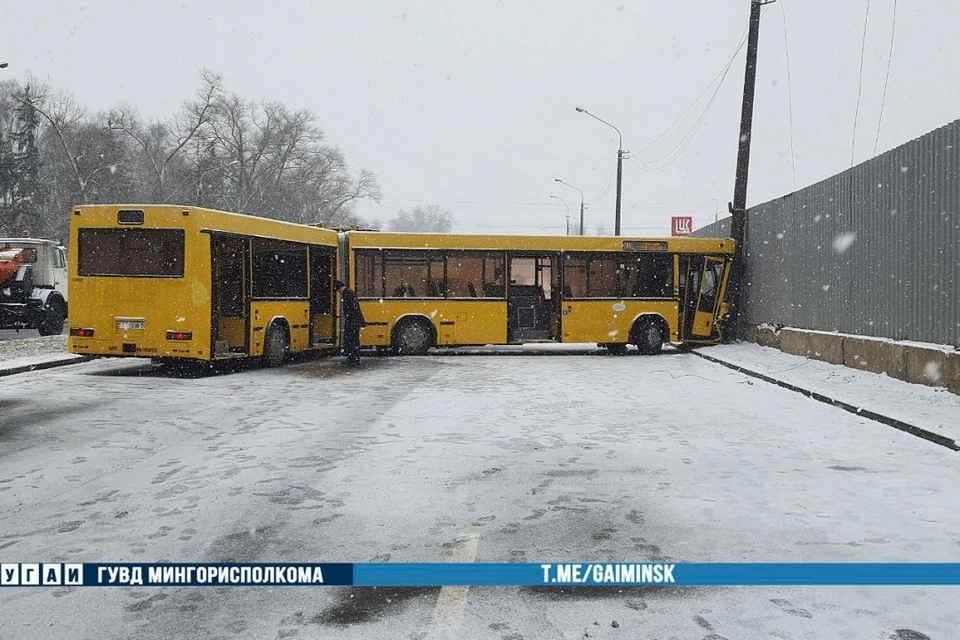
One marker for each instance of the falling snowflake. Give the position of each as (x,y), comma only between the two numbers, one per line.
(932,371)
(843,241)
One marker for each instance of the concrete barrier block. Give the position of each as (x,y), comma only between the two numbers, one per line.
(793,341)
(927,366)
(877,356)
(825,346)
(953,369)
(748,332)
(768,337)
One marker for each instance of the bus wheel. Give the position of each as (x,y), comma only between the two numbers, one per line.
(616,348)
(412,337)
(648,337)
(275,346)
(53,317)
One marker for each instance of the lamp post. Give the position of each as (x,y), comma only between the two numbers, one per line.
(581,201)
(568,211)
(616,223)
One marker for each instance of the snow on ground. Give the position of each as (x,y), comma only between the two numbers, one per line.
(33,351)
(571,457)
(933,408)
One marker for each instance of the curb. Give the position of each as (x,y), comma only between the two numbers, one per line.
(931,436)
(50,364)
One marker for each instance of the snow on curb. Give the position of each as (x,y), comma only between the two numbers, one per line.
(932,409)
(31,354)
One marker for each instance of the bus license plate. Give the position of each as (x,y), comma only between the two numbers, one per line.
(127,325)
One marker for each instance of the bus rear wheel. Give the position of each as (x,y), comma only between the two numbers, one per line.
(275,346)
(412,337)
(648,336)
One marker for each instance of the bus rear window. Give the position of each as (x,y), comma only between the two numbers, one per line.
(131,252)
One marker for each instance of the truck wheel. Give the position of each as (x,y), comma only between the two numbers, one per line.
(275,346)
(53,317)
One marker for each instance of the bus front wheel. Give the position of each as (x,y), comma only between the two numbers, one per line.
(275,346)
(412,337)
(648,336)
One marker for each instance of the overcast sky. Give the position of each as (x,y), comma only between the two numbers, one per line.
(470,105)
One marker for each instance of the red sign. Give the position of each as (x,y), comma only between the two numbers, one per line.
(681,225)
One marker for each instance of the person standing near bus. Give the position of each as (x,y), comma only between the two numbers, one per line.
(352,322)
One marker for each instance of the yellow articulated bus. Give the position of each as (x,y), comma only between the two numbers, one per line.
(186,283)
(423,290)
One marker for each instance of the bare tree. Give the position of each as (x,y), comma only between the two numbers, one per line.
(79,158)
(428,218)
(160,143)
(219,150)
(281,166)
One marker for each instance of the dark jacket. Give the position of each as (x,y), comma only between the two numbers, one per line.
(352,315)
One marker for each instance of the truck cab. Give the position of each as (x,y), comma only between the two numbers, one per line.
(33,285)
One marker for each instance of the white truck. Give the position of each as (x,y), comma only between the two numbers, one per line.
(33,285)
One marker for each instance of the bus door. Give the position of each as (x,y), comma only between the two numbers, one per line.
(532,308)
(322,260)
(707,298)
(231,295)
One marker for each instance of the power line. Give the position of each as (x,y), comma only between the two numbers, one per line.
(675,153)
(786,48)
(863,48)
(722,72)
(606,187)
(883,101)
(537,204)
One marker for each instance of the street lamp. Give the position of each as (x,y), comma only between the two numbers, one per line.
(568,211)
(3,65)
(616,224)
(581,201)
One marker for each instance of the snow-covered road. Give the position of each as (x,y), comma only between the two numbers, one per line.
(577,457)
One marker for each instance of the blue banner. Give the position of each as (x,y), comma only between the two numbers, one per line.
(655,574)
(556,574)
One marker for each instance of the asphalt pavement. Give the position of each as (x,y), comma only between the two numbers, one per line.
(582,457)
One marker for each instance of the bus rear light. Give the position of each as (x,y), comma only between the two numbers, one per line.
(179,335)
(81,333)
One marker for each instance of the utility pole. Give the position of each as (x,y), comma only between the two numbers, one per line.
(616,224)
(568,211)
(581,200)
(738,209)
(620,152)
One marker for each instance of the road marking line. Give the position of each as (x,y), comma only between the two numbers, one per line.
(452,600)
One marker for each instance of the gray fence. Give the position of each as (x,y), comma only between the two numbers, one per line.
(872,251)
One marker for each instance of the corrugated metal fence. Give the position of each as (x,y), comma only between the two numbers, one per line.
(872,251)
